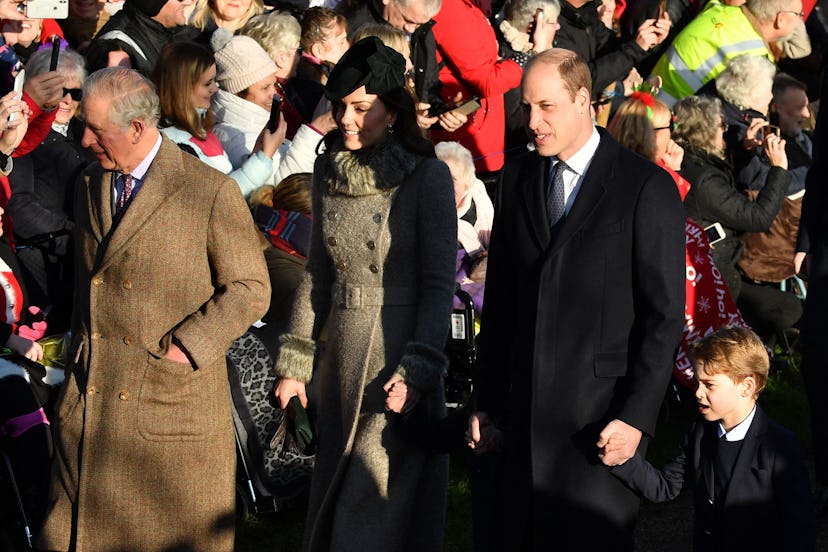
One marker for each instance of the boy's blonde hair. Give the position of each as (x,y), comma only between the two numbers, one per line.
(734,352)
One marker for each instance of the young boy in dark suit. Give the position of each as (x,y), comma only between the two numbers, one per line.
(747,472)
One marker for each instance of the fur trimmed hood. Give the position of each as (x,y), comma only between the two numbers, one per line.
(369,171)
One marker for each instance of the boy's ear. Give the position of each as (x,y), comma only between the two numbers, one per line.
(748,386)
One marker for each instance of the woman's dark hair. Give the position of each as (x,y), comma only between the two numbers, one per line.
(408,132)
(179,68)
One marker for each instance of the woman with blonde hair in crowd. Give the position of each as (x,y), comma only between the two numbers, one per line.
(210,15)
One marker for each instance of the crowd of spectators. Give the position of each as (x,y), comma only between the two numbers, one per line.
(721,94)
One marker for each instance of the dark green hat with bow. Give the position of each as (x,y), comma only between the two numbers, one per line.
(369,62)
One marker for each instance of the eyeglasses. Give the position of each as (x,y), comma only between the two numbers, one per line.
(75,93)
(801,14)
(671,127)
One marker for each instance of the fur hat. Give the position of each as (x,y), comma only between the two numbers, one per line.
(369,62)
(150,8)
(240,61)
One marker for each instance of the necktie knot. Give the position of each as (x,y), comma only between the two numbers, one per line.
(556,194)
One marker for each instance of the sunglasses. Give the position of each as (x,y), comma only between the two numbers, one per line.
(75,93)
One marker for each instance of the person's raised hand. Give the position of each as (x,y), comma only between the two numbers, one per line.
(269,142)
(673,156)
(11,9)
(775,150)
(45,89)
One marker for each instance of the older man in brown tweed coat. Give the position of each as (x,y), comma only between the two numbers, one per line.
(169,273)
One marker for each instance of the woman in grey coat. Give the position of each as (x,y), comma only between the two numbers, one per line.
(380,280)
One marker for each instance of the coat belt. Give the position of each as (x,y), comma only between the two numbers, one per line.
(357,296)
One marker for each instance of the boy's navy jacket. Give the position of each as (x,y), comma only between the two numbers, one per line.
(767,504)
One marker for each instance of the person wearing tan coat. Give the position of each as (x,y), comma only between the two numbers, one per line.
(145,456)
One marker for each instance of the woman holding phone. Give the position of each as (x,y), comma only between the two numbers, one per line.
(187,120)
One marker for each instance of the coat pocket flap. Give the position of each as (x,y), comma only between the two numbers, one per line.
(610,365)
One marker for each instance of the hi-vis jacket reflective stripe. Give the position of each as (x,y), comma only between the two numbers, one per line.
(701,51)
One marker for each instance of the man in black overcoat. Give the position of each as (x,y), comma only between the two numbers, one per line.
(583,317)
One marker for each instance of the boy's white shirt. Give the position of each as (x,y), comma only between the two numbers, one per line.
(740,430)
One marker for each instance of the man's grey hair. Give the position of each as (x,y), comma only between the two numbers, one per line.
(520,13)
(70,64)
(766,10)
(133,95)
(430,7)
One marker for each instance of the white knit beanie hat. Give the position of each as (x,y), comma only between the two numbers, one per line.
(240,61)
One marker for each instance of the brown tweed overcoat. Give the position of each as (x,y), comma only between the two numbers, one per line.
(145,454)
(381,275)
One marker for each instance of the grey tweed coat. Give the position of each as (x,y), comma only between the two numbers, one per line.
(381,279)
(145,453)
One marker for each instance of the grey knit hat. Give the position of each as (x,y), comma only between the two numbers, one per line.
(240,61)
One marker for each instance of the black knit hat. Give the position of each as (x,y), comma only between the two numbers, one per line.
(369,62)
(150,8)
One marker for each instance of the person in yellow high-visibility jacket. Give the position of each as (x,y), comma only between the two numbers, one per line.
(719,33)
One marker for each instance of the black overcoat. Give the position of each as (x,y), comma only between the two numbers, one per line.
(580,327)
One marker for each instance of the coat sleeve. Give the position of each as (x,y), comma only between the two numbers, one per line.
(424,363)
(240,280)
(658,264)
(301,154)
(658,485)
(720,201)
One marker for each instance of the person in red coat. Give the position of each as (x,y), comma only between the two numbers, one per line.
(470,67)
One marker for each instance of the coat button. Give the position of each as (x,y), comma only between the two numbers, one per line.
(332,215)
(373,268)
(128,339)
(341,265)
(127,284)
(97,281)
(378,218)
(123,395)
(91,390)
(370,244)
(96,336)
(332,240)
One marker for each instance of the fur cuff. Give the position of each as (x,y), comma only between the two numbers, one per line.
(295,360)
(423,366)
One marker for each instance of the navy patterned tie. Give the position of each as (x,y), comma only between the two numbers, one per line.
(555,197)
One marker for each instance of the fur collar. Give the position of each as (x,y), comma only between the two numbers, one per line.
(369,171)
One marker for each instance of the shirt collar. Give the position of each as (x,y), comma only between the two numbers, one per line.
(740,430)
(140,171)
(579,162)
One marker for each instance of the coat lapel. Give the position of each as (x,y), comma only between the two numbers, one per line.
(532,180)
(99,187)
(707,454)
(156,189)
(598,177)
(746,461)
